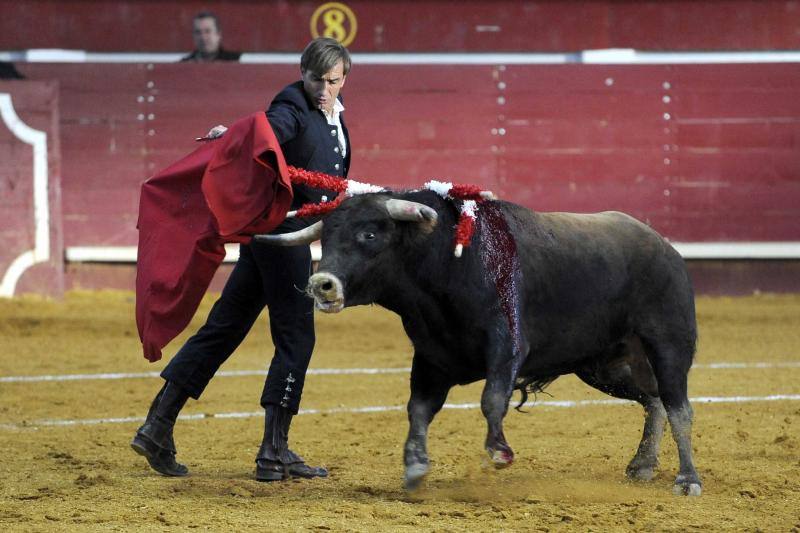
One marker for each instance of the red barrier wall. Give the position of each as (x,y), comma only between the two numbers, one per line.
(701,152)
(407,26)
(31,259)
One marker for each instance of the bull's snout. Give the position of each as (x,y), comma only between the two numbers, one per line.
(327,291)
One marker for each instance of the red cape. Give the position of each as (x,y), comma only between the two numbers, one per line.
(225,191)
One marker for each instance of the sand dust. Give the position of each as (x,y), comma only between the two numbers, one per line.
(568,476)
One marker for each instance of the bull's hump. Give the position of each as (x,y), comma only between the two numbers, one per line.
(591,222)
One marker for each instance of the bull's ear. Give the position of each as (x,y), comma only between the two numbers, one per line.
(413,212)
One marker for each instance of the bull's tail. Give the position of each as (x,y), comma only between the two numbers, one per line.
(534,386)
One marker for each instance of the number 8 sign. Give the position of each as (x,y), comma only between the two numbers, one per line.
(334,20)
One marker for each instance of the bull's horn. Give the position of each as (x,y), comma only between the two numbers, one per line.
(411,211)
(295,238)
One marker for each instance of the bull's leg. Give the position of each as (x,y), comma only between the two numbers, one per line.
(643,465)
(429,390)
(494,405)
(671,371)
(628,375)
(680,414)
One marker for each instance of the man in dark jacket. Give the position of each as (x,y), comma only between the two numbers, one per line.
(306,118)
(207,36)
(9,72)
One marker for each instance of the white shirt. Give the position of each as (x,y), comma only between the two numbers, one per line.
(334,120)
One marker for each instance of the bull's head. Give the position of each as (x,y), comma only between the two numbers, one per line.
(363,242)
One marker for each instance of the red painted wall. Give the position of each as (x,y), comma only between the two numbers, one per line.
(35,104)
(701,152)
(408,26)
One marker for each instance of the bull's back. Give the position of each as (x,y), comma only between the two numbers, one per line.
(588,277)
(570,241)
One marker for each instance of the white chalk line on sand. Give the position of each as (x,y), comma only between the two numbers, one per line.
(386,408)
(333,371)
(221,373)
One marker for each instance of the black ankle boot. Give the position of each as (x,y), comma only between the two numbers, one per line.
(154,439)
(275,461)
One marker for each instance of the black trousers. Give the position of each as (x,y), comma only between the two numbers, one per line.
(264,275)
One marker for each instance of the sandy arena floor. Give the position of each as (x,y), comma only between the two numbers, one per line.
(66,463)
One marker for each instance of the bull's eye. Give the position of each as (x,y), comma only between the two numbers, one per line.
(366,236)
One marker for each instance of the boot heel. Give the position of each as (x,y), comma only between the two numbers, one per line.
(161,460)
(139,448)
(271,473)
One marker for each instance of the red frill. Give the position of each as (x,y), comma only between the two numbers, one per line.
(464,230)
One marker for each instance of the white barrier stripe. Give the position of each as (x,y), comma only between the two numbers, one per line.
(386,408)
(598,56)
(222,373)
(127,254)
(689,250)
(41,202)
(332,371)
(738,250)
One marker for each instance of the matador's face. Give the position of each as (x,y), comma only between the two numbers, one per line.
(323,89)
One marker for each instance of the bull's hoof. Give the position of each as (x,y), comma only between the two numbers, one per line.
(692,489)
(640,472)
(414,475)
(501,458)
(687,486)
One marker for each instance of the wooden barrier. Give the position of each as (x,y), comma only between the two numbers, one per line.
(407,26)
(31,246)
(704,153)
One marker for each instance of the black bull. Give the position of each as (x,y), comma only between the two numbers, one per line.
(601,295)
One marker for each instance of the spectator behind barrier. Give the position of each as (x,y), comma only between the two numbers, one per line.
(207,35)
(9,72)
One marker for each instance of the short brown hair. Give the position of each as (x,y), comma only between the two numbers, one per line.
(208,15)
(322,54)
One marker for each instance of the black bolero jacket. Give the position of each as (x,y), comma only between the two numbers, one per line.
(307,140)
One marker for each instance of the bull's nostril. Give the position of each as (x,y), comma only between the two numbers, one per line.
(326,286)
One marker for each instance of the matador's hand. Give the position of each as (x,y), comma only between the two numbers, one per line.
(213,133)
